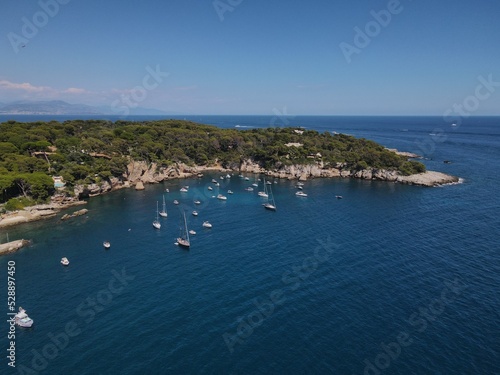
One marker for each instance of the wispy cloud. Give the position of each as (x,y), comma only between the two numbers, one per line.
(14,90)
(26,87)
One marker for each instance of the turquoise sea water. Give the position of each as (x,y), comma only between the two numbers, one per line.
(391,279)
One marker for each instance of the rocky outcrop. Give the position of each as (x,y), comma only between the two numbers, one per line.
(35,213)
(12,246)
(75,214)
(317,170)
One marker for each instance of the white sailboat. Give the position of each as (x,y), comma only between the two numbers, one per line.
(270,204)
(163,212)
(263,194)
(157,223)
(183,239)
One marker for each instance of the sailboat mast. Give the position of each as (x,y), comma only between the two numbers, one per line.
(186,227)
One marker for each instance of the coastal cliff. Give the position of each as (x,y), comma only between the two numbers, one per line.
(140,173)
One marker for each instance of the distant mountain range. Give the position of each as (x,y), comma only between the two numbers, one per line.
(59,107)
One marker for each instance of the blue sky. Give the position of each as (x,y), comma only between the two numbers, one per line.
(256,58)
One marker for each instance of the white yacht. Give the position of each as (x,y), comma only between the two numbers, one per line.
(22,319)
(64,261)
(206,224)
(222,197)
(301,194)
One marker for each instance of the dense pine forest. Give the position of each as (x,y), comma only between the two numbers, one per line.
(85,152)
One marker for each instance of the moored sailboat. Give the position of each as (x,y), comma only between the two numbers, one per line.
(163,212)
(183,239)
(270,204)
(157,223)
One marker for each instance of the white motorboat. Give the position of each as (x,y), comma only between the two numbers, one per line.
(228,176)
(301,194)
(262,194)
(249,188)
(255,184)
(210,188)
(299,187)
(221,177)
(217,184)
(163,212)
(195,213)
(206,224)
(230,192)
(184,190)
(192,232)
(106,244)
(64,261)
(300,183)
(214,180)
(167,191)
(269,183)
(176,201)
(22,319)
(197,202)
(247,179)
(222,197)
(240,176)
(338,196)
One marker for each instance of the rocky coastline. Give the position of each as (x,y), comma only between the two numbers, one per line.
(141,173)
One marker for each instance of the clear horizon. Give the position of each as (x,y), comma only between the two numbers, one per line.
(221,57)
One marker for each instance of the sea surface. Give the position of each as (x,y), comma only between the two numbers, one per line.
(391,279)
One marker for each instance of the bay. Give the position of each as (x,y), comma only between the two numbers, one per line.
(346,274)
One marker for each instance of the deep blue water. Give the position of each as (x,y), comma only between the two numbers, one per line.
(386,264)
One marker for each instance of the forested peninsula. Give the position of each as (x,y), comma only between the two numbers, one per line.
(94,156)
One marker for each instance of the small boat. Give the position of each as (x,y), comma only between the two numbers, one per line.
(338,196)
(163,212)
(269,183)
(107,244)
(206,224)
(230,192)
(222,197)
(183,239)
(221,177)
(197,202)
(214,180)
(22,319)
(249,188)
(210,188)
(270,204)
(184,190)
(157,223)
(240,176)
(299,187)
(255,184)
(64,261)
(200,175)
(300,183)
(247,179)
(228,176)
(217,184)
(167,191)
(192,232)
(301,194)
(195,213)
(263,194)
